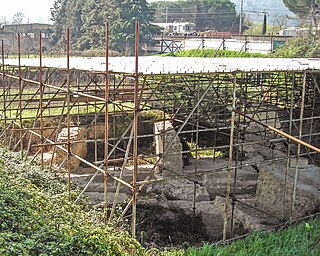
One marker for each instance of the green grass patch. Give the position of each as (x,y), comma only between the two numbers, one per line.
(302,239)
(203,152)
(210,53)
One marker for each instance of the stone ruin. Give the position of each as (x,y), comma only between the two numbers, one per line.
(259,202)
(171,163)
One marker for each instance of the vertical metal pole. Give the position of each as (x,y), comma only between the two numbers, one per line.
(41,97)
(299,145)
(289,151)
(106,124)
(4,93)
(135,132)
(68,114)
(234,188)
(196,160)
(312,118)
(226,210)
(161,48)
(20,92)
(167,14)
(240,18)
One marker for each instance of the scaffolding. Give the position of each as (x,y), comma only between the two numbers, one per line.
(214,110)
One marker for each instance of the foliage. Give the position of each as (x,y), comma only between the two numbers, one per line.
(209,53)
(302,239)
(307,46)
(37,219)
(295,241)
(256,28)
(87,22)
(301,7)
(206,14)
(51,182)
(203,152)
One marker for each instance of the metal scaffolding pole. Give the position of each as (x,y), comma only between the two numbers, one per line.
(20,93)
(135,132)
(41,97)
(4,115)
(106,124)
(68,117)
(289,156)
(303,95)
(230,163)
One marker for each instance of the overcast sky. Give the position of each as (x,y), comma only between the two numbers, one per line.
(34,10)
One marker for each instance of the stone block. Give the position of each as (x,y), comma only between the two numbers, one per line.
(302,163)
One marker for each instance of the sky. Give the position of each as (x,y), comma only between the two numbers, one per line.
(34,10)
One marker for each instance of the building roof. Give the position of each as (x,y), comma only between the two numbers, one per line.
(165,65)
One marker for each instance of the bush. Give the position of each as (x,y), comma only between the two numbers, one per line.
(307,46)
(37,218)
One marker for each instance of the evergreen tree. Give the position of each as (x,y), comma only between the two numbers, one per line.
(87,19)
(59,18)
(302,8)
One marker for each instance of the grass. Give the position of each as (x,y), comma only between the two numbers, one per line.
(210,53)
(302,239)
(55,108)
(203,152)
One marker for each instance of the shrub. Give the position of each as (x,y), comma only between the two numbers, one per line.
(37,217)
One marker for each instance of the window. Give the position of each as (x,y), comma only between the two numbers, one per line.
(31,35)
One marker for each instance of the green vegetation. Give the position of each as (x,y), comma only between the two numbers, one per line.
(206,14)
(36,217)
(302,239)
(301,7)
(210,53)
(256,28)
(87,20)
(203,152)
(306,46)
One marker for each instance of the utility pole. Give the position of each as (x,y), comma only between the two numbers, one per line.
(240,19)
(167,12)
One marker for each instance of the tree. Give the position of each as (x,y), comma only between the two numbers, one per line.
(3,20)
(306,46)
(302,8)
(280,21)
(95,14)
(18,18)
(206,14)
(87,22)
(59,18)
(308,12)
(123,26)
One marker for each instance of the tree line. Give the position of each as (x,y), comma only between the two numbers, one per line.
(218,15)
(86,19)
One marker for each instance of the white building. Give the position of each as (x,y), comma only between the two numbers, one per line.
(178,28)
